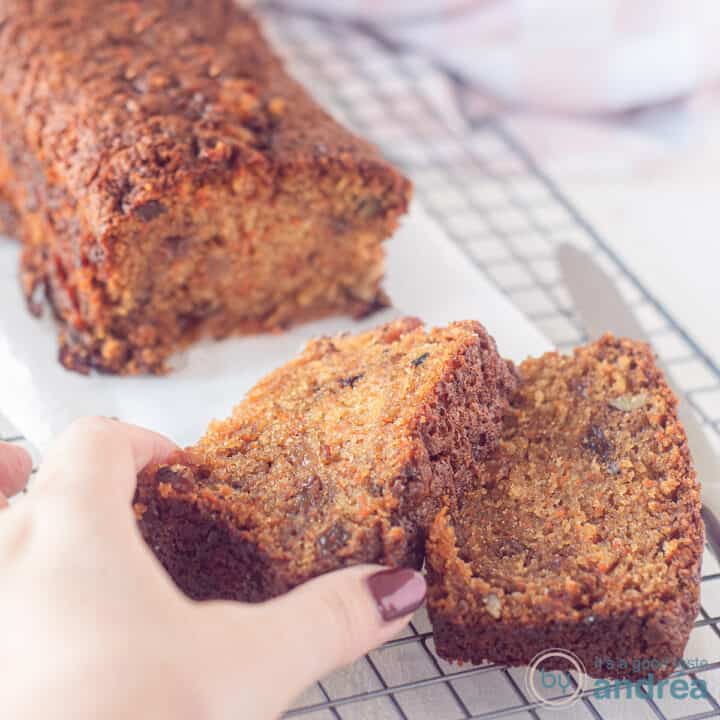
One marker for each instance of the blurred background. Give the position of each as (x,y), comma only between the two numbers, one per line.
(617,100)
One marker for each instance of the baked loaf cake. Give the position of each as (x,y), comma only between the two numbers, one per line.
(342,456)
(171,180)
(8,219)
(584,530)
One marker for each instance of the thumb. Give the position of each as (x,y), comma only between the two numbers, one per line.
(333,620)
(325,624)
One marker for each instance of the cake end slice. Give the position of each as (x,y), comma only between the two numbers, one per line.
(342,456)
(583,532)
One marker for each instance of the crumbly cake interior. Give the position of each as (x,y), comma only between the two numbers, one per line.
(8,218)
(343,455)
(590,502)
(317,456)
(246,259)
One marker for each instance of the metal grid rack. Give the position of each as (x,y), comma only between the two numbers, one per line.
(507,216)
(493,201)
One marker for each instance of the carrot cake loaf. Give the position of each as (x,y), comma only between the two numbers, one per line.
(171,180)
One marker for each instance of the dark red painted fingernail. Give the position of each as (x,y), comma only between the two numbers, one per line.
(397,592)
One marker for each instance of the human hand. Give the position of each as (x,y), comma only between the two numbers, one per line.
(94,628)
(15,467)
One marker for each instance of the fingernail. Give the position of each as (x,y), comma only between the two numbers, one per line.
(397,592)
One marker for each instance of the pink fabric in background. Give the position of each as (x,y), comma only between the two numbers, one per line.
(581,56)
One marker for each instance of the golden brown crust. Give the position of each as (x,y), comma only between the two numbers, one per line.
(341,456)
(584,530)
(166,135)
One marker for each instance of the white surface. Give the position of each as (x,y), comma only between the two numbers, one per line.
(427,276)
(650,187)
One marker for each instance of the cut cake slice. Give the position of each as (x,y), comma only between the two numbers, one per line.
(342,456)
(583,532)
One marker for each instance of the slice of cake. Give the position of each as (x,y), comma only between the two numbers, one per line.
(583,532)
(171,180)
(342,456)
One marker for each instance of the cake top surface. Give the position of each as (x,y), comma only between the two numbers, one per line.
(590,504)
(331,438)
(124,100)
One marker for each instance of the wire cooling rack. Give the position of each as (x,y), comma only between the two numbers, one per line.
(493,201)
(508,217)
